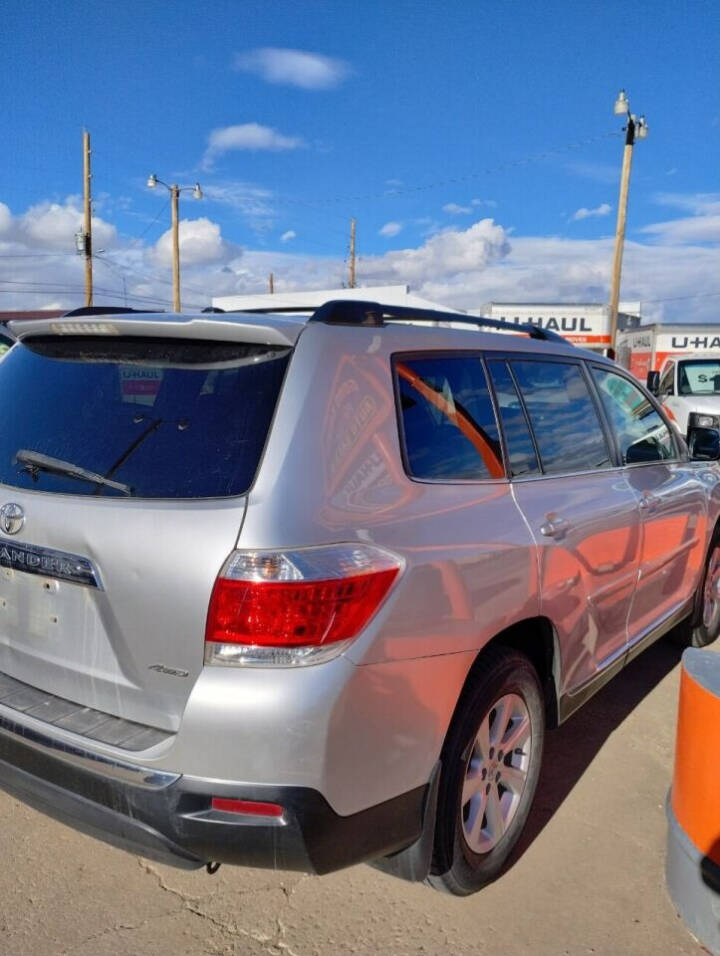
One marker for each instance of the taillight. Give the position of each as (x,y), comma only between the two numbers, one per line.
(295,607)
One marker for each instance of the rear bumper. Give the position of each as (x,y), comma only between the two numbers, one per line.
(168,817)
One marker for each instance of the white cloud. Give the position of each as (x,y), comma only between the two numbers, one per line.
(455,267)
(702,225)
(429,226)
(246,198)
(450,252)
(390,229)
(584,213)
(54,225)
(690,229)
(310,71)
(247,136)
(287,236)
(200,242)
(5,218)
(699,204)
(39,268)
(455,210)
(572,270)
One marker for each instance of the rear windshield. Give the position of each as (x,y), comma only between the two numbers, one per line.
(136,417)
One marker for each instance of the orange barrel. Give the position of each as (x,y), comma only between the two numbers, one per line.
(693,808)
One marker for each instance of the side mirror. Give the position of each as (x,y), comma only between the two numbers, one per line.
(653,382)
(704,444)
(642,450)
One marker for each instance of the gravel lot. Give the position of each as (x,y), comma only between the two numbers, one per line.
(587,879)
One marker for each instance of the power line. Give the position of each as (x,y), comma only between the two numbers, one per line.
(124,296)
(147,229)
(59,288)
(31,282)
(682,298)
(147,275)
(455,180)
(109,293)
(37,255)
(122,271)
(76,291)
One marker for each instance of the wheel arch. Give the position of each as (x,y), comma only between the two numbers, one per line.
(536,638)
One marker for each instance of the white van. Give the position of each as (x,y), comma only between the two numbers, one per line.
(680,364)
(688,387)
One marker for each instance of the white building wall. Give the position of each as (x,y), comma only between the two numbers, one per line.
(387,294)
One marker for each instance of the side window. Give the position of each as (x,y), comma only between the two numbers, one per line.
(666,382)
(563,416)
(448,423)
(641,433)
(521,451)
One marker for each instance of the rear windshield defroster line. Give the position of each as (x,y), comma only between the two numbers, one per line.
(149,417)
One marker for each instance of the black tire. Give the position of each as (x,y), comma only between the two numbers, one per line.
(702,628)
(503,676)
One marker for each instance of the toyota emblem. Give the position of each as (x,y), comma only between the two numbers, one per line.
(12,518)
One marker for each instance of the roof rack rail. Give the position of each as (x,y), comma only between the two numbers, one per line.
(278,310)
(108,310)
(358,312)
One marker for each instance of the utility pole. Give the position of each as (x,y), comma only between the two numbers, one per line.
(635,127)
(175,227)
(271,283)
(175,191)
(87,225)
(352,253)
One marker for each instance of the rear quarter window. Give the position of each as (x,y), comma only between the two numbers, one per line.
(448,424)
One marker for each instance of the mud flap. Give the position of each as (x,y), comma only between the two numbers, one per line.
(413,863)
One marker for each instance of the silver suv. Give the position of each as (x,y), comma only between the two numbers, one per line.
(301,592)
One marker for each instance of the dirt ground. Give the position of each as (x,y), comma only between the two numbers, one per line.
(588,877)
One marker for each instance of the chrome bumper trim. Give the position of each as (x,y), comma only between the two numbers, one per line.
(85,721)
(104,766)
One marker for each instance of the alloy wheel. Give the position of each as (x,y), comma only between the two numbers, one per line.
(711,593)
(496,771)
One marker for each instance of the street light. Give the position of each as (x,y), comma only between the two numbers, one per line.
(175,191)
(636,127)
(621,104)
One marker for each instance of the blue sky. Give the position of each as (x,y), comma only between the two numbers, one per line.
(474,142)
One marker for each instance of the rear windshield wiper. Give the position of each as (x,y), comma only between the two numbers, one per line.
(35,462)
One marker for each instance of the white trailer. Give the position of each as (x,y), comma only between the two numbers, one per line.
(681,365)
(582,323)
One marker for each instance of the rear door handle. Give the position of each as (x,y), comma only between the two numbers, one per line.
(555,526)
(648,502)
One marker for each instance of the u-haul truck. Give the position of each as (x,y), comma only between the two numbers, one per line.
(686,359)
(582,323)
